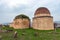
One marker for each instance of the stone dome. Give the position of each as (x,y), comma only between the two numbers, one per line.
(22,16)
(21,22)
(42,10)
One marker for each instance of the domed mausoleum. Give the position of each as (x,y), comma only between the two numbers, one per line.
(21,22)
(42,19)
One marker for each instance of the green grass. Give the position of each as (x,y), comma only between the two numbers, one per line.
(32,34)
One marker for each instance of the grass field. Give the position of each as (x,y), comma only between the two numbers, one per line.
(32,34)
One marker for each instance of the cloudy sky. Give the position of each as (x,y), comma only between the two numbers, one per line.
(10,8)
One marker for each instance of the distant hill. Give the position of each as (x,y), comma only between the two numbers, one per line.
(6,23)
(58,23)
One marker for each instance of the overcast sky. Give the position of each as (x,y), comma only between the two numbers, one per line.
(10,8)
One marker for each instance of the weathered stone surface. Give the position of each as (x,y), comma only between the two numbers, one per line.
(20,23)
(42,10)
(43,20)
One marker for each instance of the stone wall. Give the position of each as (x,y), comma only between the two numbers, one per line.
(43,23)
(20,23)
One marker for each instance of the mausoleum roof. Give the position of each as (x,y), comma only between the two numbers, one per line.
(42,10)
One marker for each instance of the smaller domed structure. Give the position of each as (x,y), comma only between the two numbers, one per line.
(21,21)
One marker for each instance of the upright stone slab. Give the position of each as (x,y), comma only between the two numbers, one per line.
(42,19)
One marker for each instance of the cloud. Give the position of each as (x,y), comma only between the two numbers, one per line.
(10,8)
(11,3)
(16,3)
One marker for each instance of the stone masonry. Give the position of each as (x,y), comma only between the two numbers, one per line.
(20,23)
(42,19)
